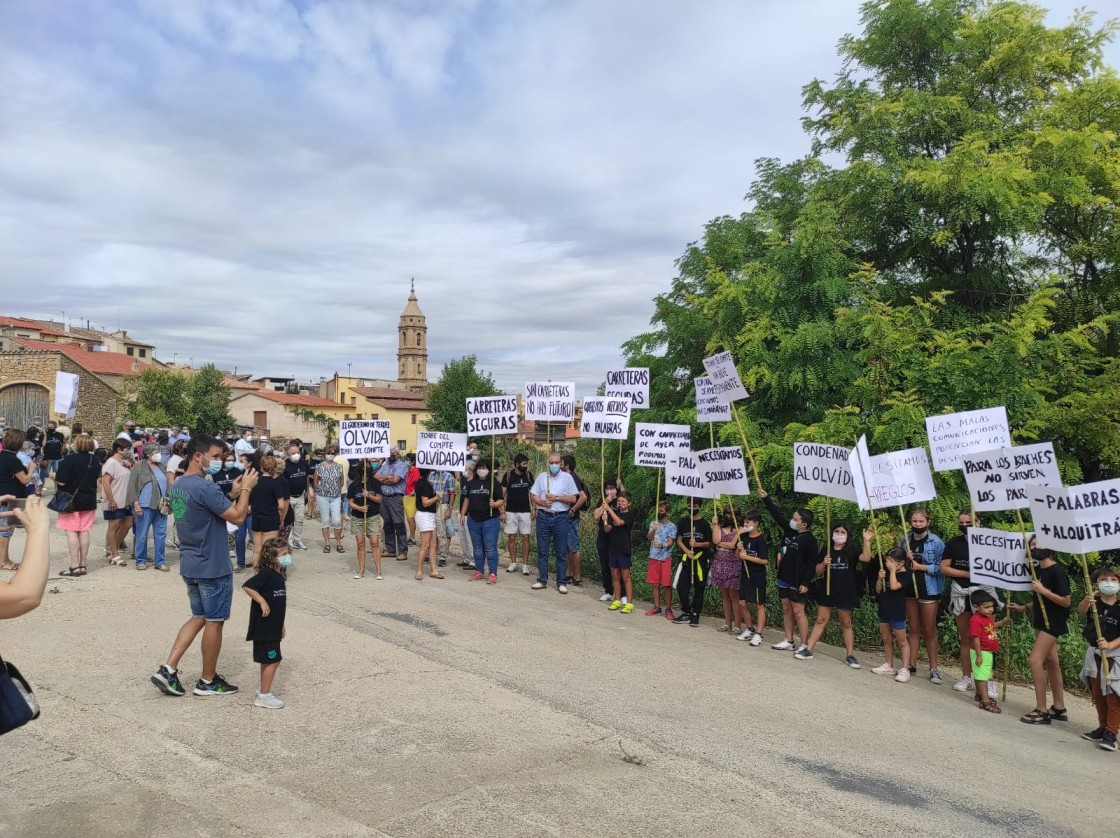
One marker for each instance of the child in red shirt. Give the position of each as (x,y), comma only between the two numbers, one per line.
(985,643)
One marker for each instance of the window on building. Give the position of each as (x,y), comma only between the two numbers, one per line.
(373,416)
(260,418)
(418,343)
(419,369)
(128,350)
(345,415)
(402,444)
(413,418)
(342,398)
(353,401)
(359,416)
(143,353)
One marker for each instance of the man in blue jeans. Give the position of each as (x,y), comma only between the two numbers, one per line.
(553,494)
(201,511)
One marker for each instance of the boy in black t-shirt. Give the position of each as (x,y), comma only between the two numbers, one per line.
(753,552)
(620,526)
(694,537)
(268,590)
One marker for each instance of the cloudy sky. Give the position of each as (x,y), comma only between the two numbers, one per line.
(253,182)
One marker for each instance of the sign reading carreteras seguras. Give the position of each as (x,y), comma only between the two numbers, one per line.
(492,415)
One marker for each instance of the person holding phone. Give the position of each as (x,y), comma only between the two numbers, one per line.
(24,591)
(14,477)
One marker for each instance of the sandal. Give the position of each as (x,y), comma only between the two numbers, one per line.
(327,549)
(1036,717)
(339,548)
(436,576)
(81,570)
(9,566)
(990,706)
(724,628)
(1058,715)
(74,571)
(419,576)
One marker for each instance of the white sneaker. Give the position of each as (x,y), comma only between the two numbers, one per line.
(884,669)
(512,568)
(524,570)
(538,586)
(268,701)
(605,598)
(746,635)
(784,646)
(562,588)
(756,640)
(359,575)
(993,691)
(963,684)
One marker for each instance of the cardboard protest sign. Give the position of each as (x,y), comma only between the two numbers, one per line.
(820,469)
(65,394)
(999,559)
(605,418)
(440,450)
(492,415)
(953,435)
(723,471)
(682,476)
(550,401)
(654,443)
(728,387)
(363,438)
(998,479)
(1077,519)
(631,383)
(888,480)
(709,408)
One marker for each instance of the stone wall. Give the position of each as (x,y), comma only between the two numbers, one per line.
(98,408)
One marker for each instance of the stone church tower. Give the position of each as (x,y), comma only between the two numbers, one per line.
(412,350)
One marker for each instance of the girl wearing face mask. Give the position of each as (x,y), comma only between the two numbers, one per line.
(796,563)
(603,538)
(839,589)
(924,549)
(724,571)
(1106,694)
(1051,586)
(147,487)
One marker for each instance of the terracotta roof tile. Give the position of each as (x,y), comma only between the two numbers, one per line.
(294,399)
(105,363)
(22,323)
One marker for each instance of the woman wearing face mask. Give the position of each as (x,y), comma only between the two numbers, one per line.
(603,538)
(269,503)
(1106,694)
(481,512)
(724,570)
(924,549)
(796,563)
(1052,591)
(147,488)
(839,589)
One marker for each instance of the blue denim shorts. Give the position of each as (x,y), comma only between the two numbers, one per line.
(573,535)
(210,598)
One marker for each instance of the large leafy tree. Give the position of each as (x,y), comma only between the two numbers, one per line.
(208,400)
(459,380)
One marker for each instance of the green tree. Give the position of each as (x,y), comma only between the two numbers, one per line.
(459,380)
(208,402)
(156,398)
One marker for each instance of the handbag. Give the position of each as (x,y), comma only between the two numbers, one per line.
(62,501)
(18,705)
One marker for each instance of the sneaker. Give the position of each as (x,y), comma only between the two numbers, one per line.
(784,646)
(492,579)
(993,691)
(756,640)
(606,598)
(669,615)
(524,570)
(268,701)
(683,617)
(913,669)
(694,621)
(653,612)
(852,662)
(935,677)
(476,575)
(538,586)
(627,608)
(168,681)
(512,568)
(903,676)
(562,588)
(1094,735)
(359,575)
(747,634)
(239,569)
(219,686)
(1108,742)
(442,563)
(963,684)
(884,669)
(803,654)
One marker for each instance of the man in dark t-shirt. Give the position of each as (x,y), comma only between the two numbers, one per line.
(694,538)
(296,472)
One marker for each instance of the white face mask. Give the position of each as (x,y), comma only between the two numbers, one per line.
(840,540)
(157,457)
(793,525)
(1109,588)
(294,458)
(483,473)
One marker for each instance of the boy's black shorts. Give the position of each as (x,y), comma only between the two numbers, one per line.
(752,591)
(266,652)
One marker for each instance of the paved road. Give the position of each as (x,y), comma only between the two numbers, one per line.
(453,708)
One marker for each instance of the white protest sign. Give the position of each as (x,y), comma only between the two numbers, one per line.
(492,415)
(682,476)
(66,394)
(363,438)
(953,435)
(859,464)
(999,479)
(820,469)
(550,401)
(709,408)
(1077,519)
(440,450)
(722,471)
(999,559)
(655,443)
(725,378)
(605,418)
(631,383)
(891,479)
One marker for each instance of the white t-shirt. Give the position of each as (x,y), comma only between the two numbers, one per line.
(173,463)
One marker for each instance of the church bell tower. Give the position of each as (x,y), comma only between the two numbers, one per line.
(412,349)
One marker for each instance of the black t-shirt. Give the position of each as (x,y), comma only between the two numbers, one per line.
(892,604)
(621,534)
(10,466)
(35,437)
(1056,580)
(755,546)
(423,489)
(703,529)
(478,496)
(580,487)
(1110,622)
(918,548)
(224,480)
(354,493)
(296,475)
(602,533)
(841,580)
(517,488)
(272,586)
(956,551)
(78,474)
(52,450)
(798,563)
(264,500)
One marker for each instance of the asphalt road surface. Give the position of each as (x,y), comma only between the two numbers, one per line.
(441,708)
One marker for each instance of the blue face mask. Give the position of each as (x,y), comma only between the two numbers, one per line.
(555,469)
(375,466)
(286,560)
(214,467)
